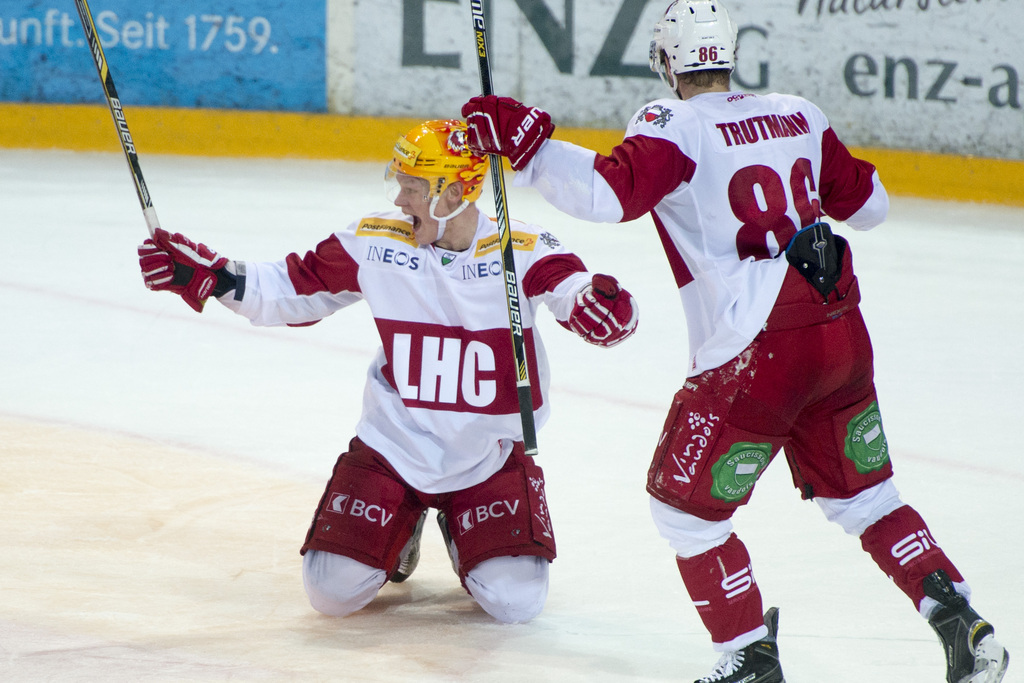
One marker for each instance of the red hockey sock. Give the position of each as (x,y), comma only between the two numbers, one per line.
(902,546)
(721,584)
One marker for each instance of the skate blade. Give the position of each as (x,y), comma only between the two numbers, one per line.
(995,659)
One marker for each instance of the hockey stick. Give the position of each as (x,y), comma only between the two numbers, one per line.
(508,264)
(127,144)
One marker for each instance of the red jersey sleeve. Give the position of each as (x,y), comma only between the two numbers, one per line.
(329,268)
(846,182)
(548,272)
(642,171)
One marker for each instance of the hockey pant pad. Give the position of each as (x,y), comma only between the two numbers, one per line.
(506,515)
(364,514)
(703,464)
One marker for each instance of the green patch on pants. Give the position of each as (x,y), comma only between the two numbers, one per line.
(865,441)
(737,471)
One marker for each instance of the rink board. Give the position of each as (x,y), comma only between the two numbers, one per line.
(313,136)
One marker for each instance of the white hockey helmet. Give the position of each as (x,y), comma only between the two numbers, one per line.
(694,35)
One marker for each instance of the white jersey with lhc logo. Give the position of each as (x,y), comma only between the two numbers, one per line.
(440,400)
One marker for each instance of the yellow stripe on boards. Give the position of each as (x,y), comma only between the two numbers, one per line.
(202,132)
(215,132)
(948,176)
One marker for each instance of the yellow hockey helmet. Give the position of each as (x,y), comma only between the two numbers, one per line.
(438,151)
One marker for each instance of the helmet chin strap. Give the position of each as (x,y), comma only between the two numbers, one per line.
(442,221)
(668,77)
(672,81)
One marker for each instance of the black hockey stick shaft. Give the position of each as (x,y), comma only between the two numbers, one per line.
(123,134)
(508,264)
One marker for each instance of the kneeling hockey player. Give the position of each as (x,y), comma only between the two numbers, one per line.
(440,426)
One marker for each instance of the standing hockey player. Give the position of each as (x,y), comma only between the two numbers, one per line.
(737,185)
(440,426)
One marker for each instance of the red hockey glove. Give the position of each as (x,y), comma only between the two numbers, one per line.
(604,314)
(501,125)
(174,263)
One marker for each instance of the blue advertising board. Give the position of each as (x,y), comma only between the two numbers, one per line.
(232,54)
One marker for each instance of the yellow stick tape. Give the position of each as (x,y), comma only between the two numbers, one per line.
(211,132)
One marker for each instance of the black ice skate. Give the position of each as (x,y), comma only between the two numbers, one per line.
(972,653)
(756,663)
(453,553)
(410,555)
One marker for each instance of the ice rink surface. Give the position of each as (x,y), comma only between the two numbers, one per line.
(159,468)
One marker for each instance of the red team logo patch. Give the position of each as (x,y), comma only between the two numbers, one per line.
(447,368)
(655,114)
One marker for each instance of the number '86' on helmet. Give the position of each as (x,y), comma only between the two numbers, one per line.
(694,35)
(438,151)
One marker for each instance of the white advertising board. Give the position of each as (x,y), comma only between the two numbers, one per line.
(932,75)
